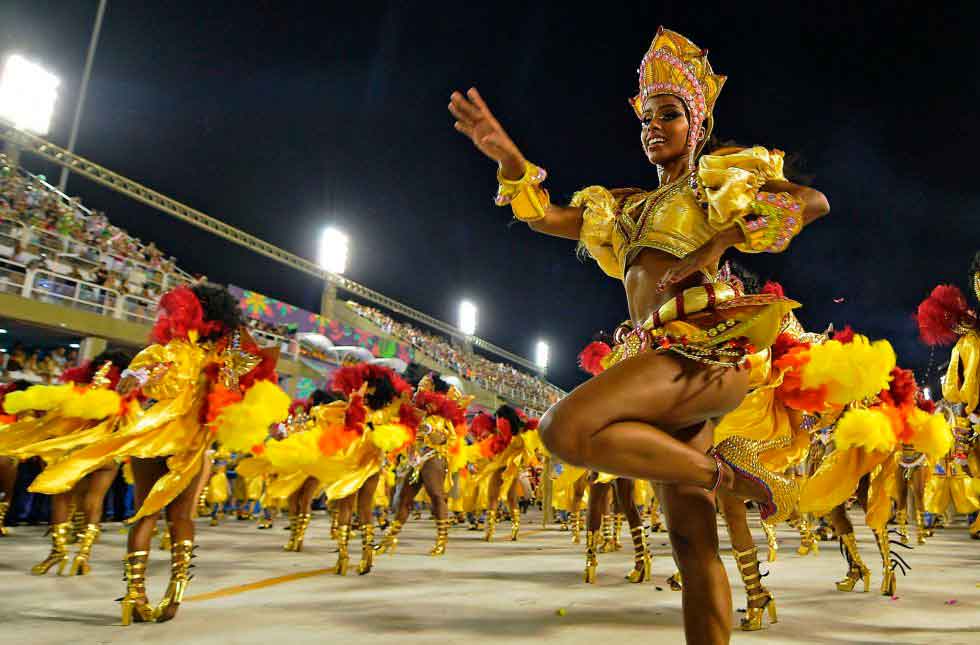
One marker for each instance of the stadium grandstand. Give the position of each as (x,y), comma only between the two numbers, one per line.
(72,283)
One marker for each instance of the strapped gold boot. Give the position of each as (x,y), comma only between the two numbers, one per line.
(592,540)
(442,537)
(80,566)
(135,605)
(770,532)
(367,549)
(3,515)
(921,532)
(902,520)
(607,545)
(165,543)
(181,554)
(656,524)
(299,534)
(334,514)
(618,520)
(515,523)
(808,542)
(491,525)
(577,527)
(889,562)
(203,510)
(855,566)
(641,557)
(748,567)
(59,550)
(343,556)
(390,541)
(78,525)
(290,544)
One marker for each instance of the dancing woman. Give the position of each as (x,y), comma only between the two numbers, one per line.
(649,415)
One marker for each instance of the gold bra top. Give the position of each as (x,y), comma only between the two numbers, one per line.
(617,224)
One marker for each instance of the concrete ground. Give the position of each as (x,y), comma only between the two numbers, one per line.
(247,590)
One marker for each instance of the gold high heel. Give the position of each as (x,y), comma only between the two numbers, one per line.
(676,582)
(442,537)
(754,591)
(591,560)
(515,523)
(390,541)
(491,525)
(808,543)
(59,550)
(782,493)
(855,566)
(642,562)
(902,519)
(577,527)
(135,605)
(4,531)
(770,532)
(367,549)
(80,565)
(343,556)
(181,554)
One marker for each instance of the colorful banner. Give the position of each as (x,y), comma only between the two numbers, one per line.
(275,312)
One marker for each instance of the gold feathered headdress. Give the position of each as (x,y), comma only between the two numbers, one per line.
(674,65)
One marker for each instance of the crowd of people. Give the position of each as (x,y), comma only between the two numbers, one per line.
(42,229)
(36,365)
(496,377)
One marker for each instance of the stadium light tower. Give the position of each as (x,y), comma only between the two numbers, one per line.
(28,93)
(541,355)
(334,247)
(467,317)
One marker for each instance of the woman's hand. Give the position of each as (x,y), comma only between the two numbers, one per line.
(127,385)
(706,255)
(474,119)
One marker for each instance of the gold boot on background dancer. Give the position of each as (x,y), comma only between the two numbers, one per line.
(748,567)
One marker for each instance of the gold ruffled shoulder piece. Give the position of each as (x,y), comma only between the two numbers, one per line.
(731,181)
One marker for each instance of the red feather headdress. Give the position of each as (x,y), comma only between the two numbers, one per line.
(944,316)
(180,313)
(590,358)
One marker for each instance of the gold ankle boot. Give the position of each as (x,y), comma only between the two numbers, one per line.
(491,525)
(343,556)
(808,543)
(592,539)
(902,520)
(181,554)
(367,549)
(515,524)
(889,585)
(608,545)
(334,526)
(390,541)
(80,565)
(921,532)
(135,605)
(641,557)
(290,544)
(297,532)
(442,537)
(748,567)
(577,527)
(782,494)
(770,532)
(59,550)
(3,515)
(855,566)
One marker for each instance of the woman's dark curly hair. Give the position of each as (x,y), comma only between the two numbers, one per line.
(219,305)
(509,413)
(383,392)
(321,397)
(441,385)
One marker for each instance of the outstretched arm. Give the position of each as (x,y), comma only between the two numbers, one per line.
(475,120)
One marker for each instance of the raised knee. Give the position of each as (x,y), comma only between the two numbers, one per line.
(560,437)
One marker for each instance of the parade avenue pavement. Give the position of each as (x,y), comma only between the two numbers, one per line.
(247,590)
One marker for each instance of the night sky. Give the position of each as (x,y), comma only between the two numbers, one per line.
(282,117)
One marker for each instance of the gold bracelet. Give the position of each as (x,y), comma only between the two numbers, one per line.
(527,199)
(776,218)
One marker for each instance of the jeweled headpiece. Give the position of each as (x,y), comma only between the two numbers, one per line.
(674,65)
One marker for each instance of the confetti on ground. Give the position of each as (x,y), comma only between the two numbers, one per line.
(561,611)
(951,602)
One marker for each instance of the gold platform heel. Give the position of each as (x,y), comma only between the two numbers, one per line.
(676,582)
(343,555)
(577,527)
(902,520)
(642,563)
(748,567)
(367,550)
(921,532)
(390,541)
(80,565)
(59,550)
(135,605)
(302,523)
(770,532)
(515,524)
(4,506)
(442,537)
(591,558)
(181,554)
(889,583)
(782,493)
(855,566)
(808,542)
(491,525)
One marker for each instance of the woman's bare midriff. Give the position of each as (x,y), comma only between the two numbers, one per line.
(641,280)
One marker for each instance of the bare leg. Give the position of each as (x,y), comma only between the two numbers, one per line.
(135,605)
(598,503)
(409,491)
(99,483)
(365,513)
(578,492)
(856,570)
(493,501)
(433,477)
(641,555)
(514,506)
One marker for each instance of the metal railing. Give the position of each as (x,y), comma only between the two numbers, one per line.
(287,346)
(12,276)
